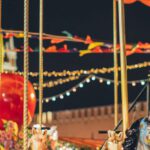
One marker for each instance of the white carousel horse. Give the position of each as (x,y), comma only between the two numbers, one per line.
(38,140)
(114,141)
(144,135)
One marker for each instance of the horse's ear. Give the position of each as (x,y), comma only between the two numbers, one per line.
(33,131)
(120,136)
(109,133)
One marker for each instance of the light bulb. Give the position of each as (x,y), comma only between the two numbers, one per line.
(81,85)
(74,89)
(61,96)
(142,82)
(101,80)
(108,82)
(53,98)
(88,80)
(93,78)
(68,93)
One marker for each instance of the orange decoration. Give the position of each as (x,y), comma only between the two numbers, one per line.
(145,2)
(51,49)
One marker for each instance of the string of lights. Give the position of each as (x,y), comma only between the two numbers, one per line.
(57,82)
(88,80)
(84,72)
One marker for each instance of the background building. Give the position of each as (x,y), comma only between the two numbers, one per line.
(86,122)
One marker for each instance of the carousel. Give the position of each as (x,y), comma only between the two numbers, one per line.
(20,100)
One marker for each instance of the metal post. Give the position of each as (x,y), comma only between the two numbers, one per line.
(26,65)
(40,62)
(124,87)
(148,97)
(1,42)
(115,62)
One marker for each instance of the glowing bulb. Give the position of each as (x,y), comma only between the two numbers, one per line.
(68,93)
(81,85)
(133,84)
(61,96)
(85,72)
(101,80)
(142,82)
(47,100)
(108,82)
(93,78)
(74,89)
(53,99)
(88,80)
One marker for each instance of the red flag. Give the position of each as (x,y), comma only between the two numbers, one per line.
(51,49)
(145,2)
(88,40)
(55,41)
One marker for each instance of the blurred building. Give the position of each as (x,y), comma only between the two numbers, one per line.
(85,123)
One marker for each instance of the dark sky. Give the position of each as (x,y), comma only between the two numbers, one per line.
(81,18)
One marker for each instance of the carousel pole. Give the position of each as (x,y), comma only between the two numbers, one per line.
(26,65)
(115,62)
(124,88)
(1,42)
(40,62)
(148,97)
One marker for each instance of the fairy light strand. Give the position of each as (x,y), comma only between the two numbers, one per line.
(88,80)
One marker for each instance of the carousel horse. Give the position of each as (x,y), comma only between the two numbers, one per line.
(114,141)
(144,135)
(38,140)
(138,136)
(43,139)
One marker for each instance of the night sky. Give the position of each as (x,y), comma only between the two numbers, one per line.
(81,18)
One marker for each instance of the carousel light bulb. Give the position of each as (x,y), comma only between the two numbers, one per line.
(53,99)
(85,72)
(74,89)
(142,82)
(47,100)
(101,80)
(61,96)
(81,85)
(108,82)
(93,78)
(68,93)
(133,84)
(88,80)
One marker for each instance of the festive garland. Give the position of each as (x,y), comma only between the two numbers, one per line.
(103,70)
(93,46)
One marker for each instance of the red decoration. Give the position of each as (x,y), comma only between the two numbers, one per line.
(145,2)
(11,99)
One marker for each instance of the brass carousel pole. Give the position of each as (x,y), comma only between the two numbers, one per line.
(115,62)
(26,65)
(40,62)
(124,88)
(1,41)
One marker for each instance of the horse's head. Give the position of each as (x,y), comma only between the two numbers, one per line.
(38,139)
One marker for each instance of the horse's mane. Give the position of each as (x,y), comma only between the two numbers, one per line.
(132,134)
